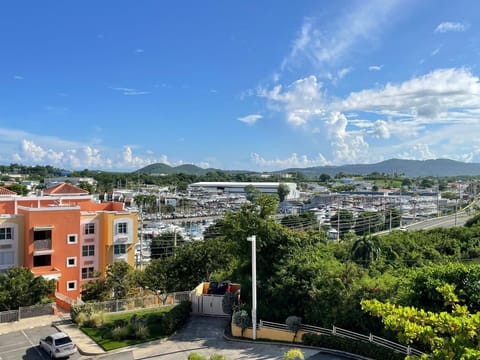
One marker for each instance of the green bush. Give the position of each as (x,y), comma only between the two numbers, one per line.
(294,354)
(141,331)
(75,310)
(195,356)
(95,320)
(217,357)
(361,348)
(120,332)
(81,319)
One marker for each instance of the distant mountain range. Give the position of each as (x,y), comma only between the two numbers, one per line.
(410,168)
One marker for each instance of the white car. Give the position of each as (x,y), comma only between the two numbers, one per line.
(58,345)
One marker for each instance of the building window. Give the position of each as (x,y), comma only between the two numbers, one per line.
(71,261)
(88,250)
(71,285)
(120,249)
(7,258)
(6,233)
(88,272)
(72,238)
(42,260)
(89,228)
(122,228)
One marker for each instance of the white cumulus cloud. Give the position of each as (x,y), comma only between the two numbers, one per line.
(293,161)
(449,26)
(300,100)
(423,97)
(250,119)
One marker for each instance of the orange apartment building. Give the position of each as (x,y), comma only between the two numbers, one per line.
(65,235)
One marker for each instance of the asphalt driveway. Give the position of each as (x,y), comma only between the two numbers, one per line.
(204,335)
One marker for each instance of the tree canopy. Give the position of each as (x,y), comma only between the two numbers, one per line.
(20,287)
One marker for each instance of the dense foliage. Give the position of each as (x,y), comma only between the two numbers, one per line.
(19,287)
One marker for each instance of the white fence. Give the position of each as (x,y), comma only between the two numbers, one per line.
(336,331)
(26,312)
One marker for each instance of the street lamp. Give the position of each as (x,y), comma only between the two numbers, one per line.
(254,285)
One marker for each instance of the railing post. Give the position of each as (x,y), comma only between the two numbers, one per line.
(334,330)
(409,350)
(116,305)
(370,337)
(18,314)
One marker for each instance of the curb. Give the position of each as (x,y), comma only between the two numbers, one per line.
(295,345)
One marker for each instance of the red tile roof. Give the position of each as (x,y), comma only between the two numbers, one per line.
(65,189)
(4,191)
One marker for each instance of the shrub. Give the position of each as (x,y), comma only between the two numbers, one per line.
(241,318)
(81,319)
(196,356)
(75,310)
(95,320)
(217,357)
(361,348)
(293,323)
(141,331)
(120,332)
(294,354)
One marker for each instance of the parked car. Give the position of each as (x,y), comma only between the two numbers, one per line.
(58,345)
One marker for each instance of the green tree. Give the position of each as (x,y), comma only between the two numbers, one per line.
(368,222)
(18,188)
(324,178)
(119,278)
(447,335)
(165,244)
(156,275)
(283,191)
(252,193)
(87,186)
(20,287)
(392,219)
(364,251)
(342,220)
(96,290)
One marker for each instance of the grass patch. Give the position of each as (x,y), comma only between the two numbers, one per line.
(121,329)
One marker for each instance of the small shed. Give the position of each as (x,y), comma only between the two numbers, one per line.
(205,302)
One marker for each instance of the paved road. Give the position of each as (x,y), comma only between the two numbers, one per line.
(444,221)
(204,335)
(23,344)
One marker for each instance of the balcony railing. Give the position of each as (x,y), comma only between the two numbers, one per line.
(45,244)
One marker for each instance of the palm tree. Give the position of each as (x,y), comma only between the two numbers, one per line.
(364,250)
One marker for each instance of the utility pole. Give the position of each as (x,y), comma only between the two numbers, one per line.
(338,220)
(254,285)
(401,210)
(141,237)
(390,219)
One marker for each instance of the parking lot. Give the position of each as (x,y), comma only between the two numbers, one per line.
(23,344)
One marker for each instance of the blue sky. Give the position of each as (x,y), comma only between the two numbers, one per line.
(250,85)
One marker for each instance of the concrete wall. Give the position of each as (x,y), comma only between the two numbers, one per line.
(268,333)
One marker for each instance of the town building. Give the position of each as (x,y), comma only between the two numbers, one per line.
(65,235)
(220,187)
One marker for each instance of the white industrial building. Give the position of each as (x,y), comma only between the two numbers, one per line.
(220,187)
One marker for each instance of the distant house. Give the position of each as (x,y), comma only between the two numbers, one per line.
(239,187)
(332,234)
(49,182)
